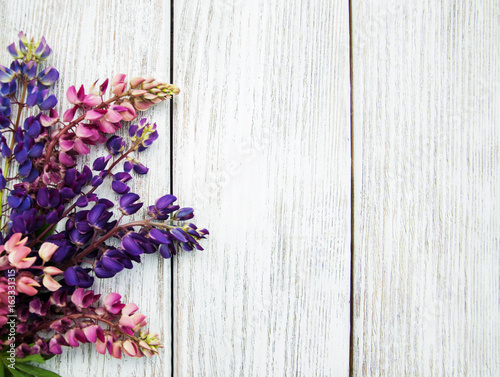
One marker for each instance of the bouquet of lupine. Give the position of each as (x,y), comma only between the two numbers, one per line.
(58,234)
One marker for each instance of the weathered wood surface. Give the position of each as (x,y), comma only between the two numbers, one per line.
(426,183)
(262,151)
(95,40)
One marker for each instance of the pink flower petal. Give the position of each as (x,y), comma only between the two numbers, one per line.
(19,254)
(92,100)
(106,127)
(113,116)
(47,121)
(72,96)
(13,241)
(90,333)
(66,159)
(119,78)
(141,105)
(81,94)
(47,250)
(25,285)
(69,114)
(130,309)
(50,283)
(125,320)
(129,114)
(51,270)
(66,145)
(25,263)
(119,89)
(95,114)
(80,147)
(130,348)
(83,132)
(138,318)
(117,350)
(70,338)
(136,81)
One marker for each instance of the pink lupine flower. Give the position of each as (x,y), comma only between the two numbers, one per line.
(112,303)
(83,299)
(25,284)
(80,98)
(51,270)
(93,332)
(117,350)
(54,346)
(18,252)
(129,114)
(119,84)
(71,338)
(136,81)
(50,283)
(101,346)
(49,120)
(130,348)
(130,321)
(46,251)
(102,88)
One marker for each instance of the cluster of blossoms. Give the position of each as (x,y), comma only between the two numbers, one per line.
(57,233)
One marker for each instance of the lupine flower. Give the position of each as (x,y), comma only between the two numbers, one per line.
(48,76)
(128,205)
(52,266)
(77,276)
(26,284)
(47,250)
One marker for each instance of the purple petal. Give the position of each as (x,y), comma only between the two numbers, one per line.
(128,199)
(165,251)
(165,201)
(49,103)
(158,236)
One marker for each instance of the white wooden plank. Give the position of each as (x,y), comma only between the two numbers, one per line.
(262,152)
(95,40)
(427,199)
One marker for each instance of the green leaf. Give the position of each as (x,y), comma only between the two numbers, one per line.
(36,358)
(35,371)
(2,371)
(17,373)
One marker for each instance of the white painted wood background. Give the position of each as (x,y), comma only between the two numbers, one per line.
(262,151)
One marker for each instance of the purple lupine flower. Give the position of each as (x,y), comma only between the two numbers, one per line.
(120,187)
(8,88)
(139,168)
(132,245)
(29,69)
(100,163)
(48,76)
(5,109)
(43,51)
(128,205)
(6,74)
(78,277)
(184,214)
(115,145)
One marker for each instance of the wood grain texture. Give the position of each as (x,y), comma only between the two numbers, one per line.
(95,40)
(426,183)
(262,152)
